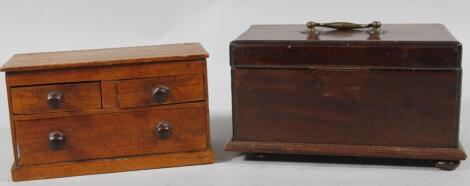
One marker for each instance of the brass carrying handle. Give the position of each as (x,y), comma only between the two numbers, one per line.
(375,25)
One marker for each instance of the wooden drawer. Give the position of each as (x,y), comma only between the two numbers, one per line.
(111,135)
(56,98)
(161,90)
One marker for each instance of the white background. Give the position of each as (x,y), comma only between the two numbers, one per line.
(46,25)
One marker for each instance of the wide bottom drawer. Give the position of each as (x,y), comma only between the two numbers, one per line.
(412,108)
(110,135)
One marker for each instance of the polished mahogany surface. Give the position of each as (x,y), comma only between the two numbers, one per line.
(391,33)
(395,93)
(398,46)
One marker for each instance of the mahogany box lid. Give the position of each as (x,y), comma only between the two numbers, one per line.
(101,57)
(398,46)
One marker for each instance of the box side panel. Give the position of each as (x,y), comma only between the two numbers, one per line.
(12,121)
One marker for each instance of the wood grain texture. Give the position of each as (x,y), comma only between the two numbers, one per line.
(348,150)
(111,135)
(12,122)
(102,73)
(392,33)
(347,92)
(32,100)
(108,137)
(206,100)
(399,46)
(106,111)
(353,55)
(338,106)
(109,94)
(56,170)
(101,57)
(138,92)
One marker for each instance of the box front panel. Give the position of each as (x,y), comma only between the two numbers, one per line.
(339,106)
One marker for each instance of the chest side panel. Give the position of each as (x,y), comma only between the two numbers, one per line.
(369,107)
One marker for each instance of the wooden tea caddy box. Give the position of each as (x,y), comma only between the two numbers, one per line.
(108,110)
(391,91)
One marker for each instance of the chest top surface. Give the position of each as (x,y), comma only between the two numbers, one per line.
(397,46)
(101,57)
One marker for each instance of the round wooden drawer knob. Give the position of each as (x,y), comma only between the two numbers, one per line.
(160,93)
(56,140)
(55,99)
(163,129)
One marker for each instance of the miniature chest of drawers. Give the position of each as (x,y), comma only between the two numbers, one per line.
(390,91)
(108,110)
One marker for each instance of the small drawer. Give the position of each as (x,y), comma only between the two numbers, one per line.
(56,98)
(111,135)
(161,90)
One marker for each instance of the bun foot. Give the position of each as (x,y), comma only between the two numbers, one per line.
(260,156)
(447,165)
